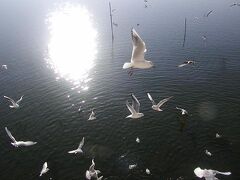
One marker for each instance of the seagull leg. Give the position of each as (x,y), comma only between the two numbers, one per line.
(130,72)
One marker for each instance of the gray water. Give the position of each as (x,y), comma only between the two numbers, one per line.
(171,146)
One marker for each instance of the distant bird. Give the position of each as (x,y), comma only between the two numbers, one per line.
(134,108)
(115,24)
(91,172)
(138,24)
(155,106)
(148,171)
(208,153)
(204,38)
(92,116)
(208,174)
(44,169)
(79,149)
(235,4)
(137,140)
(132,166)
(183,111)
(186,63)
(4,66)
(137,59)
(218,135)
(14,104)
(208,13)
(16,143)
(80,109)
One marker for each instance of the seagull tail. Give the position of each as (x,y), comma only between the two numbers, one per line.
(127,65)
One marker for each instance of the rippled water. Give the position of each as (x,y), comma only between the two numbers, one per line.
(58,70)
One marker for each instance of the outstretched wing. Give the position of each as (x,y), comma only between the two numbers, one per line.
(139,47)
(181,65)
(9,99)
(130,108)
(163,101)
(10,134)
(135,103)
(151,99)
(18,101)
(81,143)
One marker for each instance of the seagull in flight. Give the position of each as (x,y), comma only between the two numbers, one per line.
(14,104)
(186,63)
(92,116)
(155,106)
(134,108)
(92,173)
(45,169)
(16,143)
(137,59)
(183,111)
(208,13)
(79,149)
(208,174)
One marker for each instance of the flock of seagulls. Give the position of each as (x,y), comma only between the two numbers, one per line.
(137,61)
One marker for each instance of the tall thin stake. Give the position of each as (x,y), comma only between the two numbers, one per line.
(185,32)
(110,11)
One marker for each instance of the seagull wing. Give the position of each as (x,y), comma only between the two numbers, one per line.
(209,13)
(181,65)
(163,101)
(135,103)
(29,143)
(18,101)
(81,143)
(139,47)
(130,108)
(9,99)
(10,135)
(224,173)
(151,99)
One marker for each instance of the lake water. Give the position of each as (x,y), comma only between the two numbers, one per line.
(60,56)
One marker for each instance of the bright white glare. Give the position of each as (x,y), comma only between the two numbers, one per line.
(72,47)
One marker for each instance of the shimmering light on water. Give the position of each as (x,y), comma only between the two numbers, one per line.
(72,47)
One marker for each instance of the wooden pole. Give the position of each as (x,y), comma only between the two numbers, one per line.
(185,32)
(110,11)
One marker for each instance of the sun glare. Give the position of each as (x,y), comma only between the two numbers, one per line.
(72,45)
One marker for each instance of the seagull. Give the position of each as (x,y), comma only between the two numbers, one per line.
(44,169)
(19,143)
(218,135)
(208,153)
(134,108)
(79,149)
(183,111)
(92,116)
(208,174)
(132,166)
(91,172)
(137,59)
(14,104)
(4,66)
(204,38)
(155,106)
(137,140)
(208,13)
(186,63)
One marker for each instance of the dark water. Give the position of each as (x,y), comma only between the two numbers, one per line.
(170,146)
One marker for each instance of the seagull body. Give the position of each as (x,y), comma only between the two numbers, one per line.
(137,59)
(148,171)
(44,169)
(132,166)
(155,106)
(186,63)
(208,174)
(92,116)
(18,143)
(91,172)
(4,66)
(218,135)
(137,140)
(183,111)
(14,104)
(79,149)
(134,108)
(208,153)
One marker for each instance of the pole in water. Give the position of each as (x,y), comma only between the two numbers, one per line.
(185,31)
(110,11)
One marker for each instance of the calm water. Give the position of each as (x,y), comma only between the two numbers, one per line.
(60,57)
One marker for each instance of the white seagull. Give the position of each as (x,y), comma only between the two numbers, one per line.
(137,59)
(79,149)
(208,153)
(208,174)
(44,169)
(92,116)
(218,135)
(14,104)
(186,63)
(18,143)
(155,106)
(134,108)
(183,111)
(91,172)
(132,166)
(137,140)
(148,171)
(4,66)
